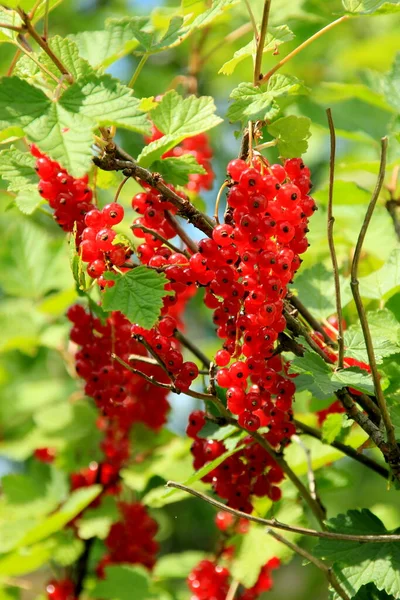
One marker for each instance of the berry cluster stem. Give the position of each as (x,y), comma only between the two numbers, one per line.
(116,159)
(331,242)
(274,524)
(330,575)
(355,288)
(348,450)
(261,43)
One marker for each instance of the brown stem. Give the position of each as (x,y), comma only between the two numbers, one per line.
(311,320)
(348,450)
(192,347)
(173,221)
(298,330)
(44,45)
(330,575)
(316,508)
(12,27)
(361,309)
(116,159)
(312,484)
(158,236)
(346,537)
(261,43)
(332,250)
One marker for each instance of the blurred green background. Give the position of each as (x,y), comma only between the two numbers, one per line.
(344,70)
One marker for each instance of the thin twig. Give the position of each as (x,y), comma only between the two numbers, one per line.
(330,575)
(192,347)
(252,19)
(121,185)
(46,21)
(331,242)
(261,43)
(37,63)
(138,70)
(298,329)
(12,27)
(116,159)
(310,472)
(360,306)
(348,450)
(218,200)
(158,236)
(186,239)
(296,51)
(330,535)
(315,507)
(232,590)
(43,44)
(311,320)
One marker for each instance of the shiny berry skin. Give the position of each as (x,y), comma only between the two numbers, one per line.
(113,214)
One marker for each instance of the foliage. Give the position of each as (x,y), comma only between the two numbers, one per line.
(117,94)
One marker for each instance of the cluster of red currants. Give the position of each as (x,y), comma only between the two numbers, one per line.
(70,198)
(248,264)
(211,581)
(131,539)
(250,471)
(98,247)
(199,147)
(162,342)
(116,390)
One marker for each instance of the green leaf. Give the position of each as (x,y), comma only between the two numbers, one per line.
(102,48)
(121,582)
(319,379)
(67,51)
(385,332)
(291,134)
(314,376)
(96,522)
(178,118)
(332,427)
(66,137)
(90,96)
(275,37)
(137,294)
(67,548)
(345,192)
(26,560)
(177,170)
(369,7)
(322,455)
(391,84)
(161,496)
(250,101)
(360,564)
(177,566)
(18,169)
(384,282)
(371,592)
(354,377)
(316,289)
(21,104)
(78,500)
